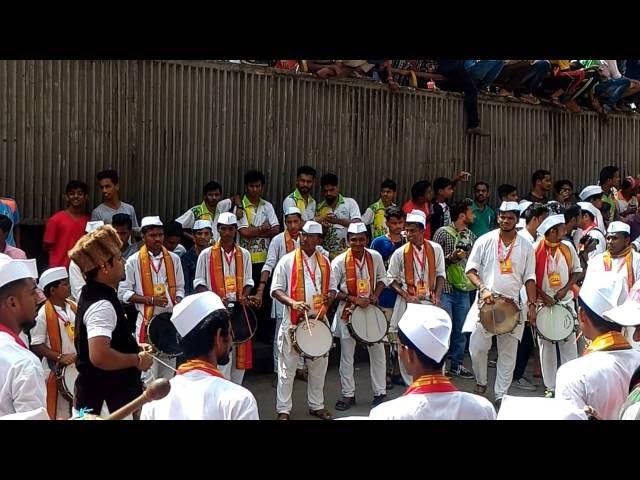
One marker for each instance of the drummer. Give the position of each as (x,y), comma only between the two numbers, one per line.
(52,337)
(416,272)
(154,283)
(225,269)
(301,284)
(500,263)
(357,280)
(557,270)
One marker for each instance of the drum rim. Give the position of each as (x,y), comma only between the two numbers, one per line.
(516,314)
(148,327)
(62,384)
(565,308)
(231,306)
(297,346)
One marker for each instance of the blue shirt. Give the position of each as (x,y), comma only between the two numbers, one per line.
(385,247)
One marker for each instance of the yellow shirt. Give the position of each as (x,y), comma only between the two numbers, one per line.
(562,64)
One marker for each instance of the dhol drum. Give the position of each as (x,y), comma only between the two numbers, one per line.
(66,379)
(163,336)
(368,325)
(244,322)
(555,323)
(500,317)
(311,338)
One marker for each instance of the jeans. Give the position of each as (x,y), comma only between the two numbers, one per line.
(457,306)
(612,90)
(539,70)
(462,80)
(484,71)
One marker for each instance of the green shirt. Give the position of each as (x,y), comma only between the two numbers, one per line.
(485,220)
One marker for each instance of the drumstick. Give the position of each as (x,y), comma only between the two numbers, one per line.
(155,391)
(306,319)
(163,363)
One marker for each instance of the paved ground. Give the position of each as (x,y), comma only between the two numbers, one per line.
(260,384)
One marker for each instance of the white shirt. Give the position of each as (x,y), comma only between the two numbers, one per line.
(562,268)
(40,335)
(601,247)
(202,269)
(309,211)
(132,283)
(187,219)
(599,379)
(524,233)
(396,272)
(338,283)
(76,280)
(197,395)
(596,266)
(264,213)
(335,236)
(22,381)
(277,250)
(484,259)
(282,281)
(100,319)
(435,406)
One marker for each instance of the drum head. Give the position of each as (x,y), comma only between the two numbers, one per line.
(555,323)
(500,317)
(244,322)
(314,340)
(163,335)
(368,324)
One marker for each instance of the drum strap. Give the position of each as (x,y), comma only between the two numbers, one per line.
(147,283)
(55,340)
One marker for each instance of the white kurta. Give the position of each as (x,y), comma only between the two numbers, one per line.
(598,379)
(396,272)
(596,266)
(289,358)
(197,395)
(435,406)
(277,250)
(593,233)
(339,284)
(568,348)
(202,269)
(76,280)
(22,381)
(132,284)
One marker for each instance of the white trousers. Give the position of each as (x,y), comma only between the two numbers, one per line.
(479,346)
(230,371)
(63,408)
(549,358)
(276,349)
(377,369)
(158,370)
(288,361)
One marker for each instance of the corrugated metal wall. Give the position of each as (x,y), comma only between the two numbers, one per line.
(171,126)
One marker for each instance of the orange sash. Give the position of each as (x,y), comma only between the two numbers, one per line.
(409,275)
(289,243)
(147,284)
(628,257)
(608,341)
(244,351)
(297,291)
(201,365)
(541,259)
(433,383)
(352,279)
(55,340)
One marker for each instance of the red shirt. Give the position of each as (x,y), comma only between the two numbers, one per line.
(61,234)
(409,205)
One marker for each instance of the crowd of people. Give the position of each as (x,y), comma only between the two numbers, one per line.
(428,272)
(572,85)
